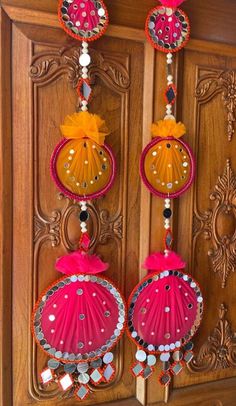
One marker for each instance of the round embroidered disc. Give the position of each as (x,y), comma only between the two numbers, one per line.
(165,310)
(80,317)
(167,29)
(85,20)
(167,167)
(82,169)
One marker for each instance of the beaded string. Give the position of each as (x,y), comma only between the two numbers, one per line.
(84,61)
(167,212)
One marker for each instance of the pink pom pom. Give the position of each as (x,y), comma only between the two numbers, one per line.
(162,262)
(171,3)
(80,262)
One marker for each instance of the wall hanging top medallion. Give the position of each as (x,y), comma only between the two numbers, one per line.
(85,20)
(167,27)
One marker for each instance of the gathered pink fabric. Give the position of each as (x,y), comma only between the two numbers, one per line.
(171,3)
(161,262)
(80,317)
(80,262)
(165,311)
(84,14)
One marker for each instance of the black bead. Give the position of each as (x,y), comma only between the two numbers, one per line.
(167,213)
(168,145)
(83,215)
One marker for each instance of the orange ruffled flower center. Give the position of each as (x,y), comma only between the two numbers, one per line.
(168,128)
(85,125)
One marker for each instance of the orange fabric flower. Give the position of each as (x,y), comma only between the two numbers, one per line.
(84,124)
(168,128)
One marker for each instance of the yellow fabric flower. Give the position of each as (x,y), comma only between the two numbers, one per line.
(168,128)
(85,124)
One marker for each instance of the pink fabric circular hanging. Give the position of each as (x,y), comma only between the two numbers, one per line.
(165,310)
(81,316)
(167,28)
(85,20)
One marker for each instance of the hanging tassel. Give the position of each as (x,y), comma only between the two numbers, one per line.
(161,262)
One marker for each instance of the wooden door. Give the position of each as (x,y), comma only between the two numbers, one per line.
(39,74)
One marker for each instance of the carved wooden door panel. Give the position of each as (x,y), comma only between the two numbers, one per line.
(39,74)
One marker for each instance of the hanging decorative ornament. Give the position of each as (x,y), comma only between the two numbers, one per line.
(166,307)
(165,311)
(77,321)
(82,165)
(167,27)
(167,163)
(81,317)
(85,20)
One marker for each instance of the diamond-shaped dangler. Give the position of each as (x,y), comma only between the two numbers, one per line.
(170,94)
(137,369)
(108,372)
(84,89)
(165,378)
(82,392)
(168,240)
(46,376)
(96,376)
(109,369)
(177,367)
(66,382)
(147,371)
(188,356)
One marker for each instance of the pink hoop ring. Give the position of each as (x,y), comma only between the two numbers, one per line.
(145,180)
(72,195)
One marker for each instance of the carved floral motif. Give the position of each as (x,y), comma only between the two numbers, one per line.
(54,228)
(47,66)
(219,351)
(223,82)
(219,225)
